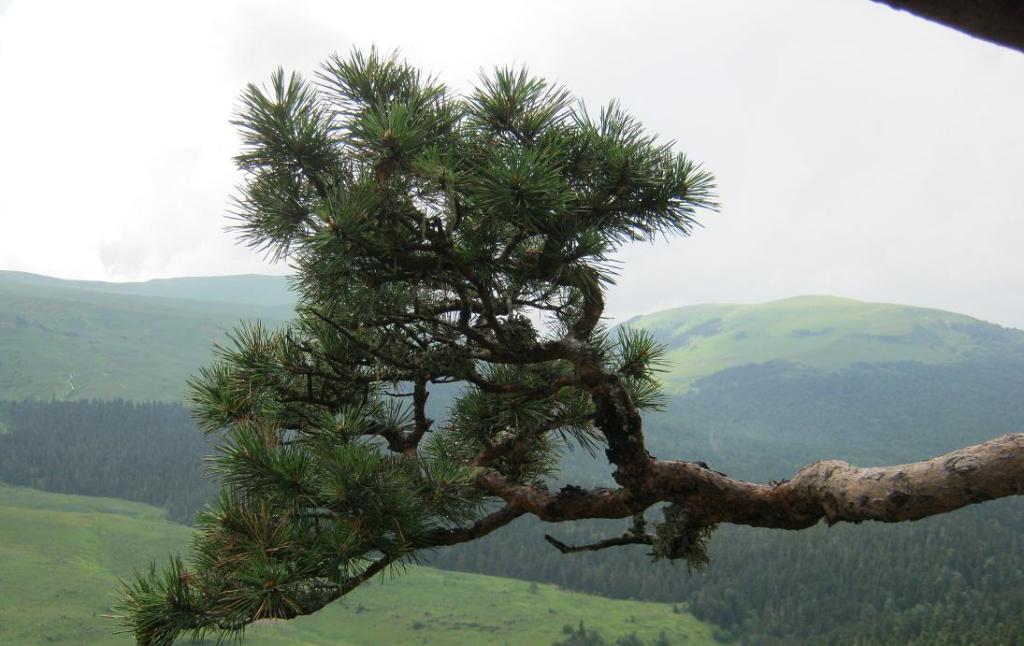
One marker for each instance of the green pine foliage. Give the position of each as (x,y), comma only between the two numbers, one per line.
(437,239)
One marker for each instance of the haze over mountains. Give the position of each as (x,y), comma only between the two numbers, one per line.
(85,339)
(251,289)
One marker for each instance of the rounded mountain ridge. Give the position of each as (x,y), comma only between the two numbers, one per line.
(826,333)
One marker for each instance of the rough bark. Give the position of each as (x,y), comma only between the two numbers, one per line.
(831,490)
(997,21)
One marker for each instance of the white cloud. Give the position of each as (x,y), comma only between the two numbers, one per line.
(860,151)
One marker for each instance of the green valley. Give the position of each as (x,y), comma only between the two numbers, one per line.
(63,554)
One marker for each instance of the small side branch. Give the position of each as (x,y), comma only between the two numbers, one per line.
(480,528)
(618,541)
(337,591)
(377,353)
(422,422)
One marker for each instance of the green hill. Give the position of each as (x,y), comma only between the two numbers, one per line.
(820,332)
(79,340)
(62,556)
(246,289)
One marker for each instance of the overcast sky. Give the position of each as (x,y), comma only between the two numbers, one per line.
(859,151)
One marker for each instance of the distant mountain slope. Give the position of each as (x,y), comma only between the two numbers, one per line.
(249,289)
(80,339)
(821,332)
(62,556)
(59,339)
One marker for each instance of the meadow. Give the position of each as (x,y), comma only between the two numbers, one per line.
(62,557)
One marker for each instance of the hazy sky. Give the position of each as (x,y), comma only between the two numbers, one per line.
(859,151)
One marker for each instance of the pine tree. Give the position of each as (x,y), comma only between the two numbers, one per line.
(446,242)
(437,239)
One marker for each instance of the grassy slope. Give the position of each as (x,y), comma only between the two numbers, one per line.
(822,332)
(62,555)
(55,336)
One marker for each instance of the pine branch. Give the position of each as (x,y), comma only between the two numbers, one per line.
(617,541)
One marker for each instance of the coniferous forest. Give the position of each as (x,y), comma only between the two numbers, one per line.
(146,452)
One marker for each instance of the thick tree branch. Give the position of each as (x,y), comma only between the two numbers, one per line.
(569,503)
(837,492)
(593,308)
(617,418)
(831,490)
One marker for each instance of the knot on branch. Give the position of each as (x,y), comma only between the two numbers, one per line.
(681,536)
(570,493)
(962,464)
